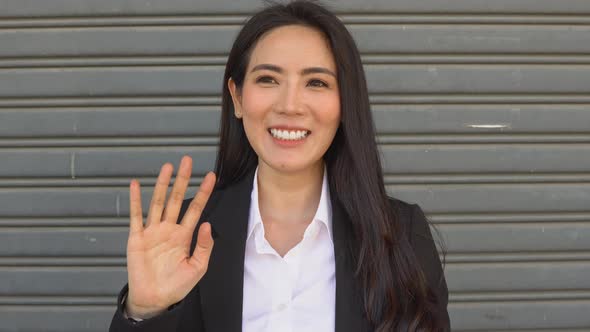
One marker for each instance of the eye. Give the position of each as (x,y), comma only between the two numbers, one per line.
(266,79)
(317,83)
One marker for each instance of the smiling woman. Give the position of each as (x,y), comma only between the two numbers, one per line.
(306,238)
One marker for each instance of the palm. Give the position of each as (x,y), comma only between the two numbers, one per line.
(158,264)
(161,270)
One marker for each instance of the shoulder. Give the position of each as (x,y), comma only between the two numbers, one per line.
(411,219)
(415,223)
(403,209)
(417,229)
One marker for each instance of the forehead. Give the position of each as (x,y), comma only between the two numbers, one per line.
(293,46)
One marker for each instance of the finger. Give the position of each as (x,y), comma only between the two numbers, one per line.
(159,196)
(204,246)
(198,203)
(177,195)
(135,216)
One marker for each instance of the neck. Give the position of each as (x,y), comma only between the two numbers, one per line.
(289,197)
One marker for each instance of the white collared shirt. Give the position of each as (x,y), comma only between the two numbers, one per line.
(296,292)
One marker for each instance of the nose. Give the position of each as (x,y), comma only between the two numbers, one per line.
(289,102)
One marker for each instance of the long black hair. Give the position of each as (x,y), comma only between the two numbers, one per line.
(384,258)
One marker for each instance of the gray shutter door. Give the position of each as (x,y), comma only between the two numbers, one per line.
(482,110)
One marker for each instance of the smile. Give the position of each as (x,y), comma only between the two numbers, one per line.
(288,135)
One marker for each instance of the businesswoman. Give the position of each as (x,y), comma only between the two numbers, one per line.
(294,231)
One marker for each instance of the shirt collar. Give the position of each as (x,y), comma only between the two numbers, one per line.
(323,213)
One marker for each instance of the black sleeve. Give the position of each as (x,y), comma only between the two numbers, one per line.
(427,254)
(167,321)
(184,316)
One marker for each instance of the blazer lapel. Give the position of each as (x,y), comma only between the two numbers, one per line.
(349,306)
(222,286)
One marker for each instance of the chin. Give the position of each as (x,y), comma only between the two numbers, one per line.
(288,165)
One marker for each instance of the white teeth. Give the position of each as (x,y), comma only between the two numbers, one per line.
(289,135)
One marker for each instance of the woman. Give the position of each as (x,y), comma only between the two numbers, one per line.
(306,238)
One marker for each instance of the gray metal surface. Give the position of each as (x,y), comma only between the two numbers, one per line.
(482,110)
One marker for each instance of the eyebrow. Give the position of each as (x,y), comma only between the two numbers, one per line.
(306,71)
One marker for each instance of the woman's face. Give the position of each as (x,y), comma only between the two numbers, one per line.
(289,102)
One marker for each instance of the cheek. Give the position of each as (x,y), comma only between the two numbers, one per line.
(255,102)
(331,113)
(255,106)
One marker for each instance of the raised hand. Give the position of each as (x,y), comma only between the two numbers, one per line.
(160,269)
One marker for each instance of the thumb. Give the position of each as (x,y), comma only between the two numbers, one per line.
(204,247)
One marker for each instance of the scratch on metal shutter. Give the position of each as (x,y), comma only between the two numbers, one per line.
(118,205)
(73,165)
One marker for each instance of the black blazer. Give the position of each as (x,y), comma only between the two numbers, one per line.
(215,303)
